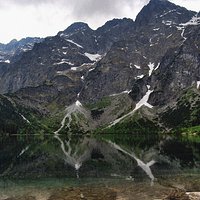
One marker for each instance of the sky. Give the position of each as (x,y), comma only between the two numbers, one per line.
(41,18)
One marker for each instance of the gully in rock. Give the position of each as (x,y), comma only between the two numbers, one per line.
(142,102)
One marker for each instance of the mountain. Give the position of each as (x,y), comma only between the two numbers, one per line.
(121,58)
(126,77)
(159,49)
(57,54)
(14,49)
(158,11)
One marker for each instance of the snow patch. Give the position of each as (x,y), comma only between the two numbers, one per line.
(64,61)
(78,103)
(167,13)
(151,68)
(158,65)
(24,118)
(91,69)
(169,36)
(62,72)
(182,34)
(167,23)
(144,57)
(23,151)
(142,102)
(198,84)
(124,92)
(7,61)
(93,57)
(151,45)
(71,41)
(74,68)
(137,66)
(193,22)
(25,49)
(78,95)
(139,76)
(63,35)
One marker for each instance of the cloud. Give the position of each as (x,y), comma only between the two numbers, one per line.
(95,12)
(87,8)
(104,7)
(47,17)
(190,5)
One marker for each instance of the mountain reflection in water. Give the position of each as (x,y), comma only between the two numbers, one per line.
(44,164)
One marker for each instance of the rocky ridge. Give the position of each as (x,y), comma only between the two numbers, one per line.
(113,71)
(14,49)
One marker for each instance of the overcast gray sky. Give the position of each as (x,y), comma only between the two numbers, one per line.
(22,18)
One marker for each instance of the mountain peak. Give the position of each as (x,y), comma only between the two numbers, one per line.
(156,1)
(77,26)
(13,41)
(115,23)
(157,10)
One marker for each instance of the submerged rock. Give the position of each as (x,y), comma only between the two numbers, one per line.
(177,194)
(88,193)
(22,198)
(194,195)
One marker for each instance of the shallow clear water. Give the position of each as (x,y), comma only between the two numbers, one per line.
(43,189)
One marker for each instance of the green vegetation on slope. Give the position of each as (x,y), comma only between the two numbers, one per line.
(103,103)
(185,114)
(133,124)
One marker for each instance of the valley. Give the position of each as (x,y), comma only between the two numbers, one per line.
(102,108)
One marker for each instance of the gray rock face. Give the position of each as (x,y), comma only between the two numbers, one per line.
(179,69)
(14,49)
(70,49)
(163,11)
(113,31)
(160,50)
(141,54)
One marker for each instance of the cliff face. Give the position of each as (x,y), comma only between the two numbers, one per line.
(112,70)
(14,49)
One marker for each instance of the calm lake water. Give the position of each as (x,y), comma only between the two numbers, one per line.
(79,166)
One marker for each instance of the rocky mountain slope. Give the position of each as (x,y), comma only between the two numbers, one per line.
(120,70)
(14,49)
(100,102)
